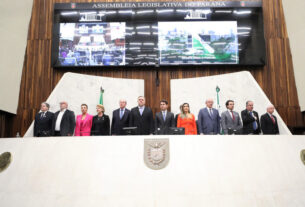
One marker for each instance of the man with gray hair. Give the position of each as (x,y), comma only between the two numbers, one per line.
(209,119)
(120,118)
(269,123)
(64,121)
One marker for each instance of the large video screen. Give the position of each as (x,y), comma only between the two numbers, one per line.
(158,34)
(198,42)
(103,44)
(92,44)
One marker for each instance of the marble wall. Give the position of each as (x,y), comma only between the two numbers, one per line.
(77,89)
(294,19)
(240,87)
(14,20)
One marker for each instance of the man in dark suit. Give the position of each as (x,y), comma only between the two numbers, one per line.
(250,120)
(43,121)
(142,118)
(64,121)
(230,120)
(120,119)
(164,119)
(208,119)
(269,122)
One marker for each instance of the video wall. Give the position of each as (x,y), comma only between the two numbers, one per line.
(93,35)
(92,44)
(198,42)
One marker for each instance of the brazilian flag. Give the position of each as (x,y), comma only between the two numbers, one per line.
(101,96)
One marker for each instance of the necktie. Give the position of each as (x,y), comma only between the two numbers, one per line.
(211,113)
(233,117)
(272,119)
(121,113)
(42,115)
(141,111)
(254,123)
(164,116)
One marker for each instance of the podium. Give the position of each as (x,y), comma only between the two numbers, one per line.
(110,171)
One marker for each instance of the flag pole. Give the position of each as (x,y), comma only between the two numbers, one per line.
(101,95)
(218,106)
(217,91)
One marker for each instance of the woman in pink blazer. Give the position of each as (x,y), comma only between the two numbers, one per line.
(83,122)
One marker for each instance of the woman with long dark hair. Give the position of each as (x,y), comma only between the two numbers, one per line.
(187,120)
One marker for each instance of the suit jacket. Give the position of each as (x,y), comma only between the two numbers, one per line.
(209,124)
(227,122)
(43,125)
(100,125)
(83,127)
(161,126)
(67,123)
(118,124)
(267,125)
(248,122)
(144,123)
(176,119)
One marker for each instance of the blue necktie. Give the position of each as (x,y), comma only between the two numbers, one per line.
(254,123)
(141,111)
(121,113)
(164,116)
(211,113)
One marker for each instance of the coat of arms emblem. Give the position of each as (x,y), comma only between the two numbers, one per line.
(5,160)
(303,156)
(156,153)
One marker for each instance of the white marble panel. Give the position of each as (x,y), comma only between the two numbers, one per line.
(231,171)
(294,19)
(77,89)
(240,87)
(14,29)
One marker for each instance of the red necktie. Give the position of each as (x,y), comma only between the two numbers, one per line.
(272,119)
(233,117)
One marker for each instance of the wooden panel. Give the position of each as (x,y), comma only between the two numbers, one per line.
(39,78)
(2,124)
(5,124)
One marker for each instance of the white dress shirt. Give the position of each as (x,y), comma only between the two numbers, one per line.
(43,114)
(58,120)
(141,109)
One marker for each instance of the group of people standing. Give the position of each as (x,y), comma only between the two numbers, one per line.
(229,122)
(63,122)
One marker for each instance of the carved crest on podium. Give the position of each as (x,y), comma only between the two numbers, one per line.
(5,160)
(156,153)
(303,156)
